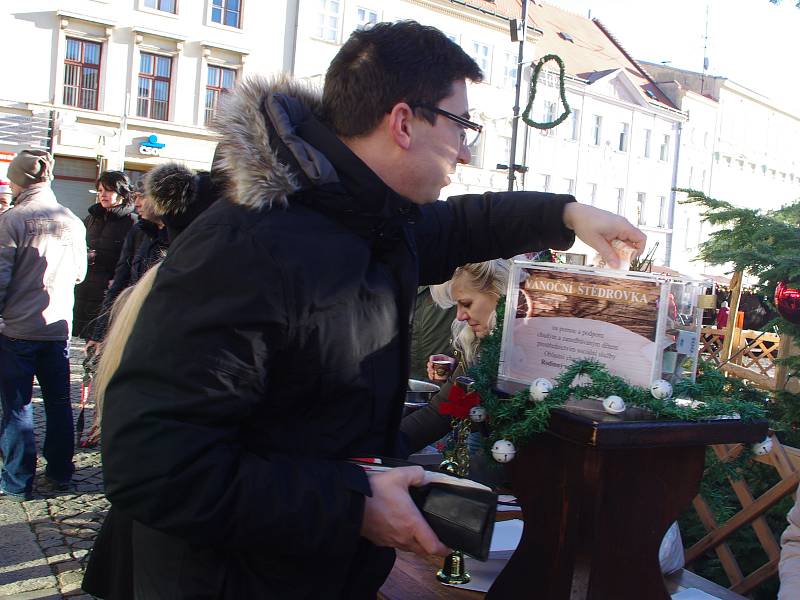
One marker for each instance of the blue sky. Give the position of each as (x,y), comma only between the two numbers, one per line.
(751,42)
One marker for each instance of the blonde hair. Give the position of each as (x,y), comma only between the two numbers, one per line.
(123,317)
(489,277)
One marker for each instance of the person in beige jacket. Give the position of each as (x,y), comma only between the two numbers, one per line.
(42,257)
(789,568)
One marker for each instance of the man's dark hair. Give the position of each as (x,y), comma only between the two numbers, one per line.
(116,181)
(388,63)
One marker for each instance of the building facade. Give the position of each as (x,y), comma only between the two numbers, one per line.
(125,84)
(737,146)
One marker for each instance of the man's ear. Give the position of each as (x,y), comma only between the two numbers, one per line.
(401,123)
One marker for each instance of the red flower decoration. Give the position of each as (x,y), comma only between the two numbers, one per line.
(459,403)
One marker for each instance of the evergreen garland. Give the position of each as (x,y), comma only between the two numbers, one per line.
(526,114)
(518,418)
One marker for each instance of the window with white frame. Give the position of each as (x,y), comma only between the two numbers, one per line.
(162,5)
(365,17)
(328,18)
(622,146)
(648,134)
(597,129)
(664,152)
(219,81)
(686,243)
(592,194)
(480,54)
(509,70)
(81,73)
(573,125)
(641,208)
(549,116)
(620,201)
(662,211)
(155,75)
(476,152)
(227,12)
(505,151)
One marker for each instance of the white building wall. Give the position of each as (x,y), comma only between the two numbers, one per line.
(111,135)
(740,149)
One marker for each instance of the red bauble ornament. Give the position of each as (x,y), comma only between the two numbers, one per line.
(787,301)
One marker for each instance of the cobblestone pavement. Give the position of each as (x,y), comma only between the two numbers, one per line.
(44,542)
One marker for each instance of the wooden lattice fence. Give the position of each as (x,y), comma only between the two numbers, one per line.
(751,356)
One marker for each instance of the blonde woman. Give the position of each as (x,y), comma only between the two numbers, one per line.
(474,289)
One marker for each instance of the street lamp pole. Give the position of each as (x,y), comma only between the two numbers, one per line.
(512,153)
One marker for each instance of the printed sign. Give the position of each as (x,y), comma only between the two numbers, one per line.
(151,146)
(564,316)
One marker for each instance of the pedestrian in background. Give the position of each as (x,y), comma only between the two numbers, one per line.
(430,329)
(145,244)
(42,257)
(722,315)
(107,225)
(5,195)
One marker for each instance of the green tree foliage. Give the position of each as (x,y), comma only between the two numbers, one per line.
(765,245)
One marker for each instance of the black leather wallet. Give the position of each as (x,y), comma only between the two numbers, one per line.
(462,517)
(460,511)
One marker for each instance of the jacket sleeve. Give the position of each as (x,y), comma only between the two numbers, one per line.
(190,405)
(789,566)
(79,254)
(474,228)
(121,280)
(8,254)
(427,425)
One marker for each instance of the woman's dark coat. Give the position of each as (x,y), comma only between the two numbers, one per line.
(274,346)
(144,246)
(106,231)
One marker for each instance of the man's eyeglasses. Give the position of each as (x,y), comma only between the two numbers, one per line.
(471,131)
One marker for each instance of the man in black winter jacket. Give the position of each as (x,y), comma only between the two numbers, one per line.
(274,344)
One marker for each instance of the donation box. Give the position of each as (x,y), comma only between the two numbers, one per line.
(641,326)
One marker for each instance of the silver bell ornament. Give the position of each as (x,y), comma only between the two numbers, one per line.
(762,448)
(540,388)
(660,389)
(614,405)
(477,414)
(503,451)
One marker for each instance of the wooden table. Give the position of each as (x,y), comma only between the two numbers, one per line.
(598,492)
(413,578)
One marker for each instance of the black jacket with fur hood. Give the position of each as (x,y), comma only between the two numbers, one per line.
(273,346)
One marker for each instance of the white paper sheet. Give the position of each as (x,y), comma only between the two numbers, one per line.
(505,538)
(693,594)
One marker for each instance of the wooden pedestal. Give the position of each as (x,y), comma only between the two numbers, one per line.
(598,493)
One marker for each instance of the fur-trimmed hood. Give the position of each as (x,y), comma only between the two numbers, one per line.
(260,157)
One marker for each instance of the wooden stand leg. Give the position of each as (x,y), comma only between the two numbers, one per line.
(594,519)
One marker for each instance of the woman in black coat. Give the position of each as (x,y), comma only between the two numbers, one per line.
(107,225)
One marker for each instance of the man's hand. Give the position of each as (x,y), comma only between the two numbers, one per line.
(391,518)
(598,228)
(92,346)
